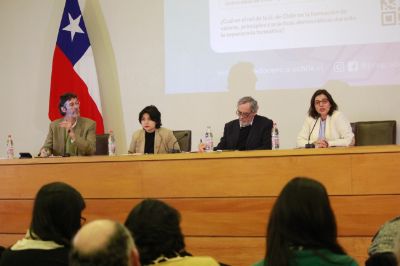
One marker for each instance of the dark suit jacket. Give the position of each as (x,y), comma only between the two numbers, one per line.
(259,137)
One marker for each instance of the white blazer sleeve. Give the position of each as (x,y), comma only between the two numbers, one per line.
(343,129)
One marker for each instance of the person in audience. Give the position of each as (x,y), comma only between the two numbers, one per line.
(155,227)
(152,138)
(56,218)
(1,250)
(325,126)
(249,132)
(383,247)
(302,229)
(71,135)
(382,259)
(103,242)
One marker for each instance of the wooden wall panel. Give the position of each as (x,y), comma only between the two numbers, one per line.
(7,240)
(102,180)
(178,178)
(243,176)
(15,216)
(376,173)
(240,217)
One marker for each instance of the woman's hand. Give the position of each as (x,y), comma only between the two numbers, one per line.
(321,143)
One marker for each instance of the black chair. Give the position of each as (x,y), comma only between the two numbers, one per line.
(184,138)
(102,144)
(353,127)
(375,133)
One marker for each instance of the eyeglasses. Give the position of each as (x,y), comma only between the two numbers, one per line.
(324,101)
(72,104)
(244,115)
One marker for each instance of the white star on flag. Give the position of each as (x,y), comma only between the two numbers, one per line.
(73,26)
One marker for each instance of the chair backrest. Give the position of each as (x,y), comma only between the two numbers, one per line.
(102,144)
(353,127)
(375,132)
(184,138)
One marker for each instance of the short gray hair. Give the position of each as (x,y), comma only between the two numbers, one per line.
(251,100)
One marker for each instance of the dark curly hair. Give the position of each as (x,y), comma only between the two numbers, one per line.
(155,228)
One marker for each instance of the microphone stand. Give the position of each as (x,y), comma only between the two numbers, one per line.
(311,145)
(173,150)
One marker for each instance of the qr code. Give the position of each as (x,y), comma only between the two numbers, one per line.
(390,12)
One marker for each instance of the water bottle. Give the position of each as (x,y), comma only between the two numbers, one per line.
(275,137)
(10,147)
(209,140)
(111,144)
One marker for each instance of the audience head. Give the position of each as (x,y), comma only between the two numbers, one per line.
(302,218)
(150,118)
(69,105)
(2,250)
(103,242)
(56,213)
(247,108)
(155,228)
(322,104)
(382,259)
(385,244)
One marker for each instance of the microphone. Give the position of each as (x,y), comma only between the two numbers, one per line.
(173,150)
(311,145)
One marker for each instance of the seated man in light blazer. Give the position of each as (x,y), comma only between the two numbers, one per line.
(71,135)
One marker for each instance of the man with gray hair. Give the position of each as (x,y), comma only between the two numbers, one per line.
(249,132)
(103,242)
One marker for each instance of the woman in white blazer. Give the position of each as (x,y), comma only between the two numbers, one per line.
(152,138)
(325,126)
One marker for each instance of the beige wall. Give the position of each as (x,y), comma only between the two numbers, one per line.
(127,39)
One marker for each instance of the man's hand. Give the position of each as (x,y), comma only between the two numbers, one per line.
(202,147)
(44,152)
(67,124)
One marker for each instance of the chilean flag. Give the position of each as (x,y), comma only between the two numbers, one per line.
(73,67)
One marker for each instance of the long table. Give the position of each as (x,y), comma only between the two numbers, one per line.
(224,197)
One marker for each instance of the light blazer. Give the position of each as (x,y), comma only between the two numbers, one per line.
(338,131)
(164,141)
(85,143)
(259,137)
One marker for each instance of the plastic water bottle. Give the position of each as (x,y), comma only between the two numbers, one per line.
(10,147)
(209,140)
(275,137)
(111,144)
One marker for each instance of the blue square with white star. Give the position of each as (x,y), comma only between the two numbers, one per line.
(72,38)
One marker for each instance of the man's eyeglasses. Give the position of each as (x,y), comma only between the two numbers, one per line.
(245,115)
(72,104)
